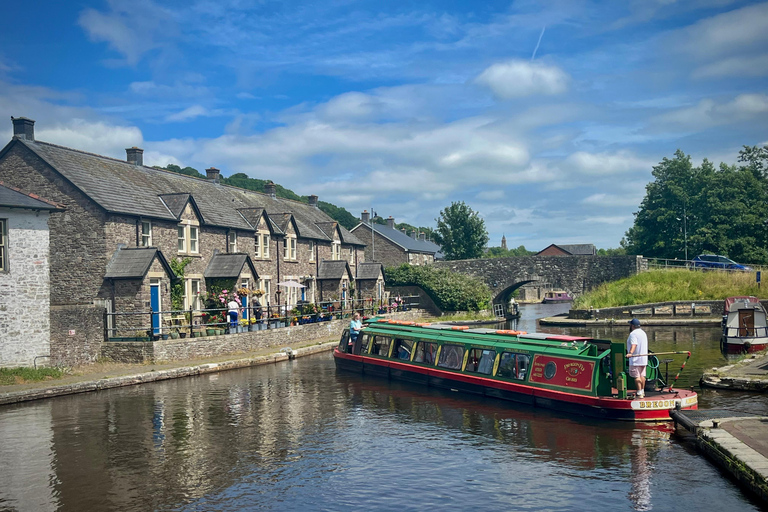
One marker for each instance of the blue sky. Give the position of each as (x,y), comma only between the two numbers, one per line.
(546,117)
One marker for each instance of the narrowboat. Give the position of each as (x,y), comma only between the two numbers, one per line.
(557,296)
(572,374)
(745,327)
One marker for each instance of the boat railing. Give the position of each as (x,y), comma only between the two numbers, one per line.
(744,332)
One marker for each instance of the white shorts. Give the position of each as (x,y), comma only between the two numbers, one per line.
(636,371)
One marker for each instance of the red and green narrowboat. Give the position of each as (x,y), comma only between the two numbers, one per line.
(573,374)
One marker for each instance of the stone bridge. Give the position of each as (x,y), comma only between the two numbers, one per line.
(576,274)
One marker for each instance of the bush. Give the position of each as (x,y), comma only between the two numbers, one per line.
(449,290)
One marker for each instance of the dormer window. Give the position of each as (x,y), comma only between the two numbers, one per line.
(336,250)
(289,248)
(188,238)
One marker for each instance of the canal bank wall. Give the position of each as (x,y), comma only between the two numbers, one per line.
(215,346)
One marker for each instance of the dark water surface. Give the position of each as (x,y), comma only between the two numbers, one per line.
(300,436)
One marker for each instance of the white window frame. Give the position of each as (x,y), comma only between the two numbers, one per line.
(335,250)
(289,248)
(257,245)
(192,289)
(232,241)
(311,250)
(265,240)
(181,238)
(351,255)
(3,245)
(146,233)
(194,240)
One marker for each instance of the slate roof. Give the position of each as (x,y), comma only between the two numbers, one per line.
(369,271)
(135,262)
(125,188)
(574,249)
(399,238)
(333,269)
(11,197)
(229,265)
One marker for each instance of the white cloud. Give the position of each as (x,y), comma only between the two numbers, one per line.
(178,89)
(592,164)
(519,78)
(734,31)
(710,113)
(190,113)
(93,136)
(130,28)
(491,195)
(735,66)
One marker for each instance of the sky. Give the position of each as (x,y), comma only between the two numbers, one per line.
(545,117)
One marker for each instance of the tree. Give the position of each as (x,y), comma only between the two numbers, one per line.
(461,232)
(721,210)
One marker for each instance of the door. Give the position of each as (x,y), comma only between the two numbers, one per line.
(746,322)
(154,303)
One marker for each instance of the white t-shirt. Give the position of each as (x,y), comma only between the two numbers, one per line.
(639,338)
(233,306)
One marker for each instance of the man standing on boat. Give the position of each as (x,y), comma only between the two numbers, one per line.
(637,353)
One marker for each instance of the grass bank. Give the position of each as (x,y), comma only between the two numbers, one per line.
(10,376)
(668,285)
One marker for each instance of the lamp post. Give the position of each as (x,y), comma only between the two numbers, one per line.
(685,231)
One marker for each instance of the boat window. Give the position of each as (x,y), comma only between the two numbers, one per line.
(513,365)
(425,352)
(365,341)
(451,356)
(343,344)
(480,361)
(381,345)
(402,349)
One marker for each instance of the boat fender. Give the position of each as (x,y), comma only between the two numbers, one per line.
(460,327)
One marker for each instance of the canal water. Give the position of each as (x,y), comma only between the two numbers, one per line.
(300,436)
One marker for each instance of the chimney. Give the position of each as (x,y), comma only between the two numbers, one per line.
(313,200)
(423,236)
(213,174)
(391,222)
(413,234)
(404,231)
(23,128)
(134,155)
(365,217)
(269,188)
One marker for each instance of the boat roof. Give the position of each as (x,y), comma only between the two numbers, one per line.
(492,338)
(741,302)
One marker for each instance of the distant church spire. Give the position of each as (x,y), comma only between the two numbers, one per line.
(503,242)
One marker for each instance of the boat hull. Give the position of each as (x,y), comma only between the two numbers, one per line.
(655,407)
(744,345)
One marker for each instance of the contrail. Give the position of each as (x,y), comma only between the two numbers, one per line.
(538,42)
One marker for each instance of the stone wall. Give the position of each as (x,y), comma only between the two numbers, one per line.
(230,344)
(77,333)
(576,274)
(671,309)
(25,328)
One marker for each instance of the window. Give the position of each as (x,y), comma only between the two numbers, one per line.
(311,250)
(146,233)
(513,365)
(425,352)
(336,251)
(233,241)
(289,248)
(266,285)
(265,246)
(403,349)
(351,256)
(480,360)
(192,295)
(3,245)
(257,246)
(381,345)
(451,356)
(365,341)
(193,232)
(182,239)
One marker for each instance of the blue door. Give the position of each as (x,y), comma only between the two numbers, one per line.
(154,302)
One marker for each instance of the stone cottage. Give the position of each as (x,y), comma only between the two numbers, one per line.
(392,247)
(24,285)
(123,227)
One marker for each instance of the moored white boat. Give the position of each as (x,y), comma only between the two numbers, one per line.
(745,326)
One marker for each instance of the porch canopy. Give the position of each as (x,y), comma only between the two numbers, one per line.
(291,284)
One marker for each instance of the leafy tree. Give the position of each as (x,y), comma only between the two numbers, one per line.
(461,232)
(449,290)
(706,209)
(499,252)
(339,214)
(620,251)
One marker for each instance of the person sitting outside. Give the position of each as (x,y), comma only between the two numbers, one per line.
(355,326)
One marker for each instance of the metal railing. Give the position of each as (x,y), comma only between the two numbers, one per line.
(147,325)
(663,263)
